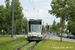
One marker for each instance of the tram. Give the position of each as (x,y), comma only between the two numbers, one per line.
(34,30)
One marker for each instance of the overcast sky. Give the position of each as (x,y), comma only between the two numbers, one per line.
(37,9)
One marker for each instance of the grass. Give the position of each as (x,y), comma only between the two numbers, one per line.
(28,46)
(47,44)
(4,35)
(5,39)
(13,45)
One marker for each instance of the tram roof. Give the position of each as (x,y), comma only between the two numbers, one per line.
(38,20)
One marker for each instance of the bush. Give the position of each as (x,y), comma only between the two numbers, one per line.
(4,32)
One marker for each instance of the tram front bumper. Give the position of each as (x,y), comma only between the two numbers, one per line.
(34,38)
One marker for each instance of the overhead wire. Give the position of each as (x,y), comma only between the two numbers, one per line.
(34,7)
(27,10)
(33,3)
(30,13)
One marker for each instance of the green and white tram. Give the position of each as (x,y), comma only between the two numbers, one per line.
(35,30)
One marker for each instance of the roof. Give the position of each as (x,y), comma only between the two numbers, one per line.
(38,20)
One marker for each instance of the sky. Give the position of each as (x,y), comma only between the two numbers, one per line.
(37,9)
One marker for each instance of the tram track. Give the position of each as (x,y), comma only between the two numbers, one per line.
(34,45)
(27,44)
(22,46)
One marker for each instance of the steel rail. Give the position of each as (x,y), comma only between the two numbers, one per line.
(22,46)
(34,45)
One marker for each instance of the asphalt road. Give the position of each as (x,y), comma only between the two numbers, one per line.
(58,38)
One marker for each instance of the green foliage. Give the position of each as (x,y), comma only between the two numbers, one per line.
(17,10)
(47,27)
(71,27)
(43,29)
(59,8)
(58,27)
(54,26)
(18,26)
(64,9)
(6,17)
(4,32)
(2,16)
(18,14)
(25,21)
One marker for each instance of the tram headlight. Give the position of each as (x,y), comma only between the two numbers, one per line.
(30,35)
(37,35)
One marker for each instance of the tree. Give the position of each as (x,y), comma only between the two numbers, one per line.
(54,26)
(18,26)
(2,17)
(25,21)
(51,30)
(71,26)
(43,29)
(58,27)
(60,9)
(8,15)
(17,12)
(46,27)
(64,25)
(71,9)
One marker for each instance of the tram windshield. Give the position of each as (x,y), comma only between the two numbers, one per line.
(35,28)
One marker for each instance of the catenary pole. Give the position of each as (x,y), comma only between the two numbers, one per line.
(22,27)
(12,17)
(49,31)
